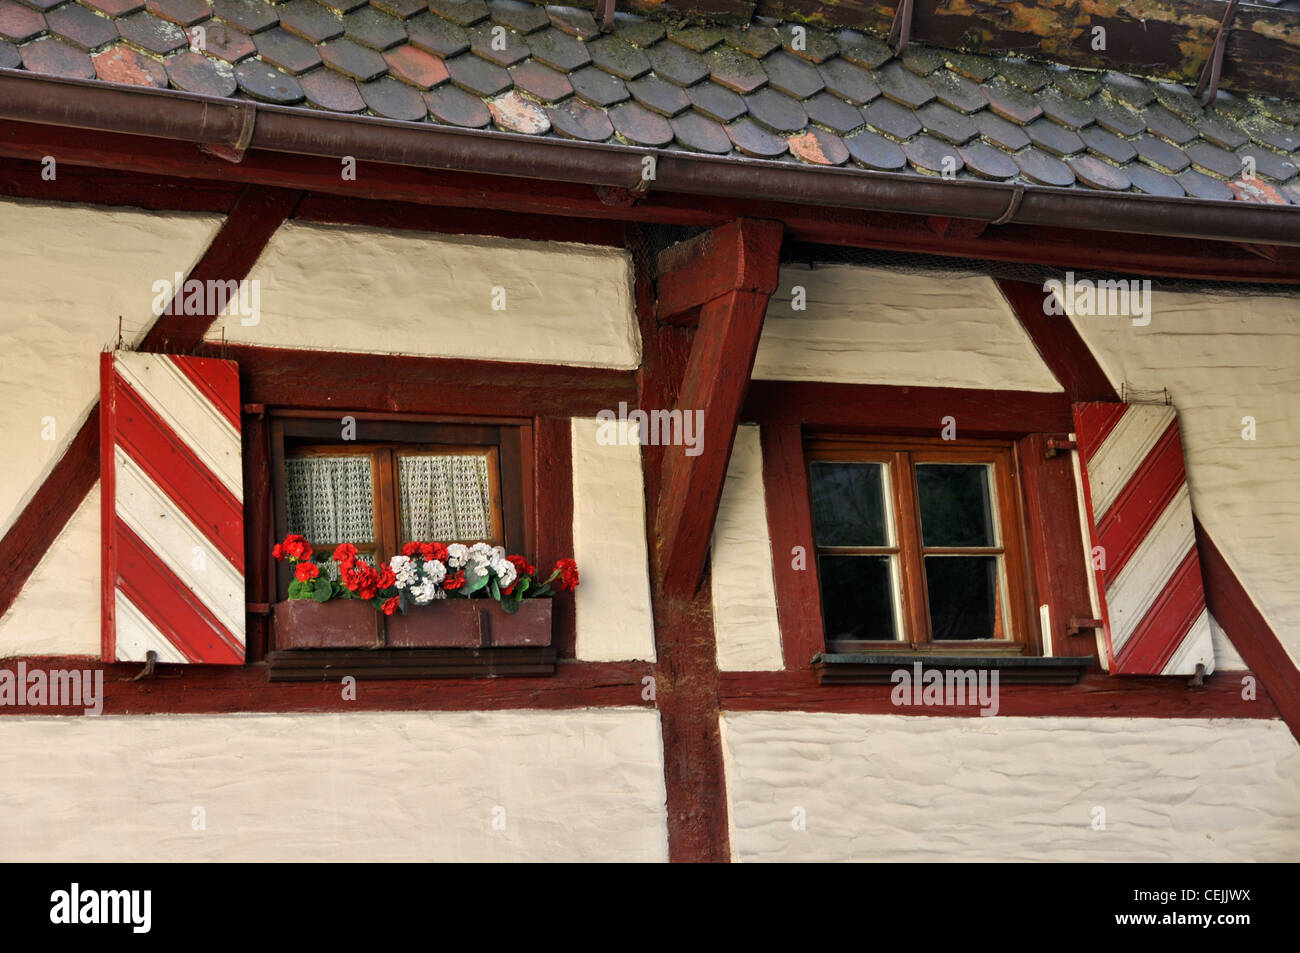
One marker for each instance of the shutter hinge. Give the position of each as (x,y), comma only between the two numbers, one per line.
(255,410)
(257,608)
(1077,626)
(1056,444)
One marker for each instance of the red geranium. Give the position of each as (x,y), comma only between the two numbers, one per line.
(454,582)
(346,552)
(306,572)
(521,566)
(277,552)
(386,578)
(432,551)
(390,606)
(411,549)
(568,570)
(297,547)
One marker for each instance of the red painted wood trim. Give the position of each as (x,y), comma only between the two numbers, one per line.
(906,411)
(1138,506)
(553,512)
(1061,247)
(1253,638)
(221,689)
(1095,696)
(1059,344)
(21,179)
(291,378)
(240,242)
(107,473)
(258,528)
(790,524)
(1183,601)
(738,256)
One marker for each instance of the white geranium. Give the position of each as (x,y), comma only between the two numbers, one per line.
(457,554)
(424,591)
(404,571)
(435,570)
(482,548)
(505,572)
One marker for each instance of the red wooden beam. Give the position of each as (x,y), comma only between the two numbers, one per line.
(713,390)
(739,256)
(1059,343)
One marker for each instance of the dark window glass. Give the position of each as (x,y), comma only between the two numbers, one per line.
(849,504)
(954,501)
(963,593)
(857,597)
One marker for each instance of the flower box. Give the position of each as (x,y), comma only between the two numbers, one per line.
(470,623)
(336,624)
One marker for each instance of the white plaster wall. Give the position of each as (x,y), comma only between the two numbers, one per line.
(744,594)
(69,272)
(907,788)
(365,786)
(57,612)
(612,602)
(867,325)
(378,291)
(1222,359)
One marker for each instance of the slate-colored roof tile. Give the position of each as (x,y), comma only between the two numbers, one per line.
(1028,76)
(872,151)
(716,102)
(1055,139)
(755,40)
(416,67)
(518,15)
(903,86)
(1127,89)
(110,8)
(638,31)
(542,82)
(18,23)
(930,155)
(309,20)
(496,44)
(807,42)
(83,29)
(1210,158)
(792,76)
(1160,154)
(263,81)
(640,126)
(947,124)
(291,53)
(985,161)
(776,111)
(1269,163)
(225,42)
(1163,123)
(819,147)
(1065,110)
(972,66)
(351,59)
(598,87)
(1118,119)
(617,56)
(1230,106)
(1081,84)
(659,95)
(697,38)
(922,60)
(1201,186)
(146,31)
(735,70)
(834,113)
(478,76)
(957,92)
(124,65)
(452,105)
(1275,135)
(558,50)
(513,113)
(886,116)
(1216,130)
(374,28)
(1011,103)
(9,58)
(1104,143)
(402,9)
(342,6)
(573,21)
(862,49)
(1000,132)
(700,134)
(753,140)
(1148,180)
(1037,166)
(1178,99)
(576,120)
(849,82)
(1282,111)
(393,100)
(1097,174)
(677,64)
(56,58)
(194,73)
(464,12)
(248,15)
(437,36)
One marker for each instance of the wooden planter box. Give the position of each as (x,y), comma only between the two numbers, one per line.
(471,623)
(337,624)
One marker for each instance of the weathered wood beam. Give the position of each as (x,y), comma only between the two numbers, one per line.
(714,384)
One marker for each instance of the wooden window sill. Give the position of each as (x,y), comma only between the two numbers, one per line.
(303,665)
(877,668)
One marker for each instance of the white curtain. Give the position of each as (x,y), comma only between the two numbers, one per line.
(330,499)
(445,498)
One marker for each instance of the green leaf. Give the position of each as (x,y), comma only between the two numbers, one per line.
(322,589)
(300,590)
(475,585)
(522,585)
(494,589)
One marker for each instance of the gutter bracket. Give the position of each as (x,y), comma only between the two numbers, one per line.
(1214,65)
(901,32)
(1012,207)
(235,152)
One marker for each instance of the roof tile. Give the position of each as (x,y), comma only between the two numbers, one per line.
(1065,110)
(478,76)
(716,102)
(1152,182)
(638,31)
(1028,76)
(776,111)
(701,134)
(1256,190)
(658,95)
(972,66)
(576,120)
(1210,158)
(640,126)
(1081,84)
(1214,129)
(374,28)
(224,41)
(849,82)
(819,147)
(18,23)
(922,60)
(1038,166)
(402,9)
(1178,100)
(598,87)
(834,113)
(1098,175)
(326,89)
(1275,135)
(1160,154)
(1167,126)
(56,58)
(513,113)
(80,27)
(1201,186)
(697,38)
(1011,103)
(9,58)
(1127,89)
(153,35)
(194,73)
(930,155)
(393,100)
(987,162)
(416,67)
(129,67)
(352,59)
(463,12)
(1055,139)
(863,50)
(1118,119)
(677,64)
(574,22)
(1269,163)
(1231,107)
(281,48)
(541,81)
(342,6)
(455,107)
(756,40)
(518,15)
(903,86)
(995,129)
(309,20)
(1285,112)
(263,81)
(792,76)
(886,116)
(753,140)
(558,50)
(248,15)
(496,44)
(957,92)
(114,8)
(437,36)
(875,152)
(617,56)
(1106,144)
(735,70)
(947,124)
(807,43)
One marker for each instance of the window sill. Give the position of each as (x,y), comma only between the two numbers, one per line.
(317,665)
(878,668)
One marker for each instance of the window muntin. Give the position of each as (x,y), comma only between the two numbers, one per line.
(919,545)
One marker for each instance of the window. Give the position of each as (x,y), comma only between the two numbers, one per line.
(919,546)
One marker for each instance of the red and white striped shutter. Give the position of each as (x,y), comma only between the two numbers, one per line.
(1148,572)
(172,483)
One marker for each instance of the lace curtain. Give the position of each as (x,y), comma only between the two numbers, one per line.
(445,498)
(330,499)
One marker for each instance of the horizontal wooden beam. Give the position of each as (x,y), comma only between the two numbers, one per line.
(733,257)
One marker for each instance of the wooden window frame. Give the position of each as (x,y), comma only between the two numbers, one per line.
(901,454)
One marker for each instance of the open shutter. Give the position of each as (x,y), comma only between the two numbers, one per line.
(1144,544)
(173,523)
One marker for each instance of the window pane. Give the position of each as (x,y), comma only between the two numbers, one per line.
(857,597)
(445,497)
(955,507)
(849,504)
(963,593)
(330,498)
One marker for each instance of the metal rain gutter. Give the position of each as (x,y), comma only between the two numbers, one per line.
(235,125)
